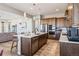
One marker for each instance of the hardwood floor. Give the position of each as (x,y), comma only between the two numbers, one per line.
(49,49)
(6,49)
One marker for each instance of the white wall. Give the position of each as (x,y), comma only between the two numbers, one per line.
(29,25)
(9,14)
(5,25)
(36,23)
(15,19)
(25,26)
(9,9)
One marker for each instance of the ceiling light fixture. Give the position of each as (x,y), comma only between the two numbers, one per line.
(34,4)
(25,14)
(70,7)
(31,8)
(57,9)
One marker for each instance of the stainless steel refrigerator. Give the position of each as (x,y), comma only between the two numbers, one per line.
(44,28)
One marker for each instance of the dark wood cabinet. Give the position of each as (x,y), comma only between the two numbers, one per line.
(34,44)
(42,40)
(29,46)
(25,46)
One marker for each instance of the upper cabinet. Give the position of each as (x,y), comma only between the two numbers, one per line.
(69,15)
(49,21)
(72,15)
(58,21)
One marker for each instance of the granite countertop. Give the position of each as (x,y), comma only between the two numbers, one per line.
(63,38)
(30,35)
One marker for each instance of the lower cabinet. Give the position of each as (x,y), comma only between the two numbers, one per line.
(34,45)
(25,46)
(40,41)
(29,46)
(69,49)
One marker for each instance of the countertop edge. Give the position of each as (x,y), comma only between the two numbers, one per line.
(64,39)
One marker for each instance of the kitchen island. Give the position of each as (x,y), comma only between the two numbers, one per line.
(28,45)
(68,48)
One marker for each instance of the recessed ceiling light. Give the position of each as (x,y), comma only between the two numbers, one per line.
(57,9)
(70,7)
(34,4)
(31,8)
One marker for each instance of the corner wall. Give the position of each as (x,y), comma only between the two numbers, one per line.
(10,9)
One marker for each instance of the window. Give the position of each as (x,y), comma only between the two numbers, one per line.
(2,26)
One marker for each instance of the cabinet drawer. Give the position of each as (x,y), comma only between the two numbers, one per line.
(25,46)
(34,45)
(34,38)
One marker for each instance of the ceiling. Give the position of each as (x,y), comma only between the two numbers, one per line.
(39,8)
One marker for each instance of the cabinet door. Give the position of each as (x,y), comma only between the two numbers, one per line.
(46,37)
(40,41)
(34,45)
(25,46)
(43,39)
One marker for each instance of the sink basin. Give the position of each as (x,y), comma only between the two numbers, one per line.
(37,33)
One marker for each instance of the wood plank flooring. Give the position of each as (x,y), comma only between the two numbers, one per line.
(49,49)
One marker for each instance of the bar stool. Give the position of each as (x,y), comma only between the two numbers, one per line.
(1,52)
(15,40)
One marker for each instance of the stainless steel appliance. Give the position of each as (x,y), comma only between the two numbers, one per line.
(44,28)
